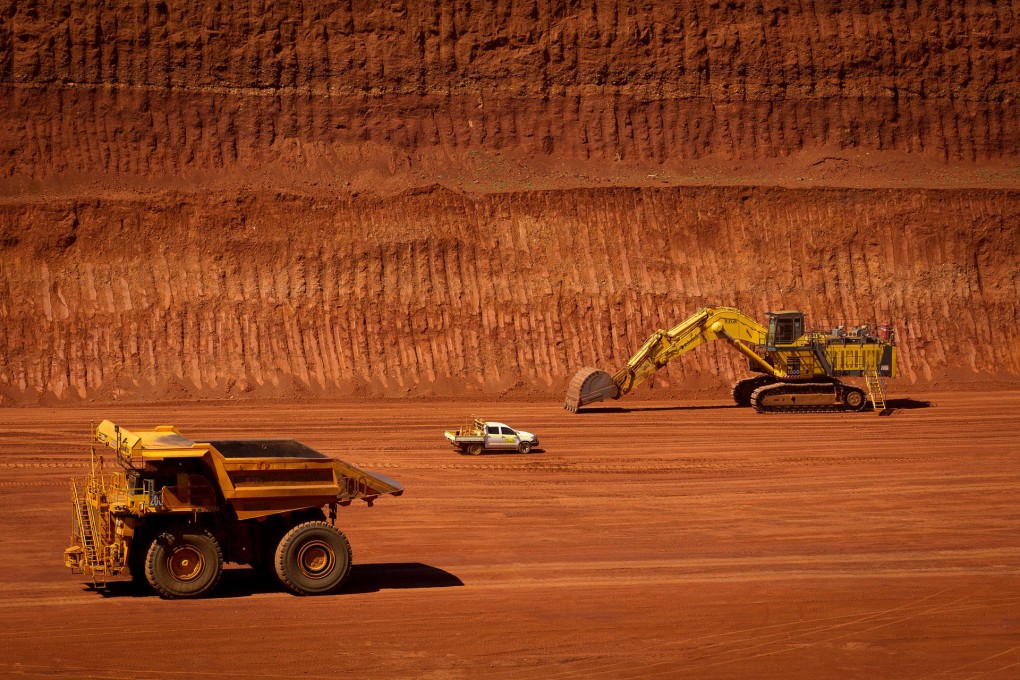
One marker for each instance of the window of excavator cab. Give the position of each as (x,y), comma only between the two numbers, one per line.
(784,331)
(507,430)
(492,430)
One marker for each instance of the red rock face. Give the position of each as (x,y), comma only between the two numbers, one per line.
(271,199)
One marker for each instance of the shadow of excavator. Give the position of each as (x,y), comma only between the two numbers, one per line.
(891,406)
(894,405)
(650,409)
(906,404)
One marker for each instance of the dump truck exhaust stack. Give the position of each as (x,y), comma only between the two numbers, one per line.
(588,386)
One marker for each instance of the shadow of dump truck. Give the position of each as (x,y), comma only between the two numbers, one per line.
(364,578)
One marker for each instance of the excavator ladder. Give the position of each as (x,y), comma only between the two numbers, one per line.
(94,555)
(876,390)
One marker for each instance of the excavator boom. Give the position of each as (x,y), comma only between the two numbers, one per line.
(590,385)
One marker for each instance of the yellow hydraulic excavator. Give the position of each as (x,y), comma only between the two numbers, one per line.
(799,367)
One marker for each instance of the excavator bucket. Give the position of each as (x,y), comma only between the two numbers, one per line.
(588,386)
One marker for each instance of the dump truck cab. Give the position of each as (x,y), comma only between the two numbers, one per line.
(177,509)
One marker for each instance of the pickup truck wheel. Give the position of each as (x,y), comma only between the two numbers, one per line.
(184,563)
(313,558)
(524,447)
(474,449)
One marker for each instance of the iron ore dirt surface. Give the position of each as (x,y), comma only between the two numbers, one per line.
(646,539)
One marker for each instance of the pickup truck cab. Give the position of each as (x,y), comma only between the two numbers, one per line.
(481,435)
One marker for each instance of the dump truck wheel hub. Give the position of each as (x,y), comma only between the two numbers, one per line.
(316,559)
(185,563)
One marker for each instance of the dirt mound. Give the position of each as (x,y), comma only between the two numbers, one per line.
(416,199)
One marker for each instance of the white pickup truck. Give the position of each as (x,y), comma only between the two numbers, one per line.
(480,435)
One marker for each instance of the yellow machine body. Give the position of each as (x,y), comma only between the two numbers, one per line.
(807,362)
(240,492)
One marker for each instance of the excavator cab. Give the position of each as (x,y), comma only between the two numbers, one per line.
(784,328)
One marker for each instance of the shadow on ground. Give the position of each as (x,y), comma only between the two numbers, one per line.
(892,405)
(371,578)
(895,405)
(364,578)
(505,452)
(906,404)
(649,409)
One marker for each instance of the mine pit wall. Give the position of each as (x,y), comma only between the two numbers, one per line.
(419,88)
(440,293)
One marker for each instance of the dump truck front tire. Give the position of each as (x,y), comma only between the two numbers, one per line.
(313,558)
(184,563)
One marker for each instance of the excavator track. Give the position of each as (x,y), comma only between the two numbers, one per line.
(813,397)
(743,389)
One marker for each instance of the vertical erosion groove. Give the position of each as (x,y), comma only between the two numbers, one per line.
(153,93)
(437,293)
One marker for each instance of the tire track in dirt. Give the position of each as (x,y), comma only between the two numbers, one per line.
(745,644)
(896,556)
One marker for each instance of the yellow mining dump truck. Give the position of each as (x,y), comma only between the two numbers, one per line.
(177,510)
(800,367)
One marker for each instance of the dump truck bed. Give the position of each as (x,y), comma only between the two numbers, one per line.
(257,477)
(265,448)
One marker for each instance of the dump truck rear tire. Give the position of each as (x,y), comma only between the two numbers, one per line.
(313,558)
(184,563)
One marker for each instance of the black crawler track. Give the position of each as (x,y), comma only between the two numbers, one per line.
(743,390)
(799,388)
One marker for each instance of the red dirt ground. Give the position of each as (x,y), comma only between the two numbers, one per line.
(648,539)
(449,204)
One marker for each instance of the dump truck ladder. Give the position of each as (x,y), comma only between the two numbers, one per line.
(875,389)
(95,559)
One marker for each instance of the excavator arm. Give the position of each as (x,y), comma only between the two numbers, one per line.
(590,385)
